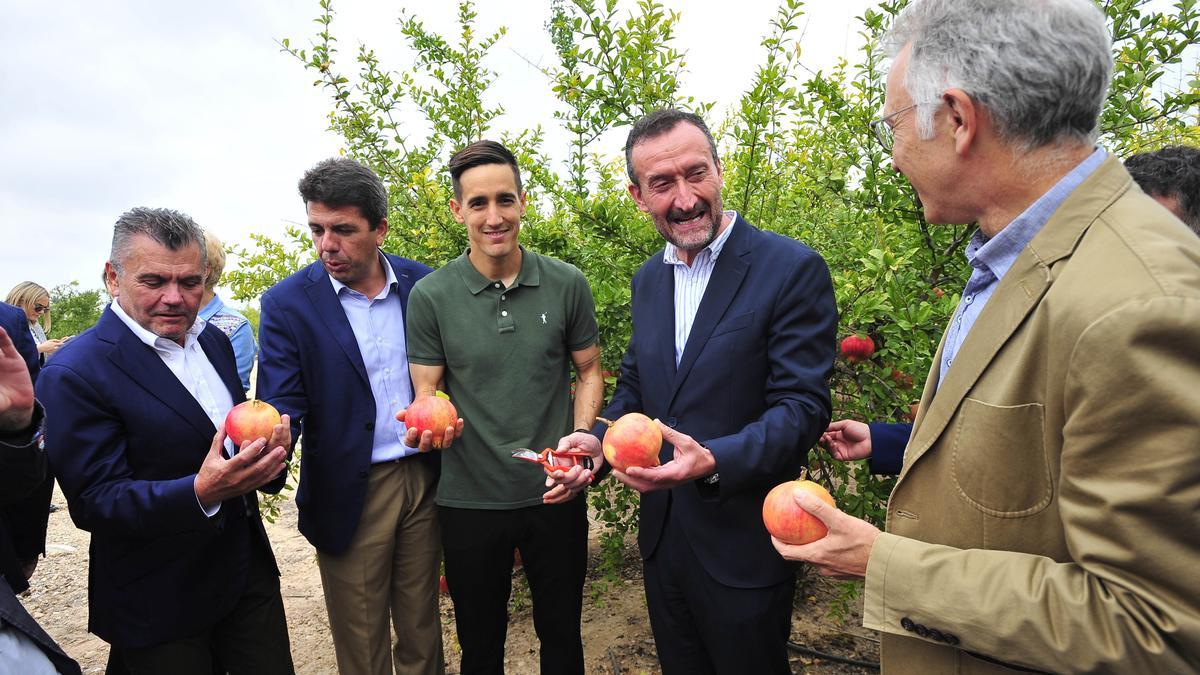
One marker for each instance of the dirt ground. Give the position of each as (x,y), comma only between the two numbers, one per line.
(616,630)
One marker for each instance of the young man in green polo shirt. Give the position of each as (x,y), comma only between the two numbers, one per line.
(499,328)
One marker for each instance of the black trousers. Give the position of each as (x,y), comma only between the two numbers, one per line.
(252,639)
(478,548)
(703,626)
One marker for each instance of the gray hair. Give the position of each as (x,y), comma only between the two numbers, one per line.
(168,227)
(1040,67)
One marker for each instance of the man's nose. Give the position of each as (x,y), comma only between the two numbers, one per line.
(172,294)
(327,243)
(492,215)
(685,197)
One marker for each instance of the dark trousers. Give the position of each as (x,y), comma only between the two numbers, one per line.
(703,626)
(252,639)
(478,548)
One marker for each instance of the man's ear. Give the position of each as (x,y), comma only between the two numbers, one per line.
(965,117)
(110,279)
(381,231)
(456,209)
(636,192)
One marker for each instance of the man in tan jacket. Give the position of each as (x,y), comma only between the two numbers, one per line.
(1047,513)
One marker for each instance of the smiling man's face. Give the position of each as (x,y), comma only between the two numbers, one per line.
(679,185)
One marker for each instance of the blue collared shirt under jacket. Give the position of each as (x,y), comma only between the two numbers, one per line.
(991,259)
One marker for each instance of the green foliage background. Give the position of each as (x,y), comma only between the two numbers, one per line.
(797,154)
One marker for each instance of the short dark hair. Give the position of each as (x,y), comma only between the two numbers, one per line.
(656,124)
(339,181)
(168,227)
(478,154)
(1173,171)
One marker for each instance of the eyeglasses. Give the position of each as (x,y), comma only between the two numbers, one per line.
(882,130)
(38,308)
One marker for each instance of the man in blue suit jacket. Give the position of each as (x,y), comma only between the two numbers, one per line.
(332,355)
(180,566)
(732,348)
(23,521)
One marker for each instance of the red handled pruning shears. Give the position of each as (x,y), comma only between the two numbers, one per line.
(546,458)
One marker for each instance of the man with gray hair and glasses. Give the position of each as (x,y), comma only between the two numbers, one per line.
(1045,515)
(180,569)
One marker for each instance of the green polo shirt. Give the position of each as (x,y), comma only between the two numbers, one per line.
(507,354)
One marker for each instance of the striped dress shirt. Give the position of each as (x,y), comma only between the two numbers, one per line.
(690,282)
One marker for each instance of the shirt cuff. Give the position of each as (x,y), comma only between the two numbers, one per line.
(208,512)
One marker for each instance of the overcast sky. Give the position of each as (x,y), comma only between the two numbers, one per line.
(193,106)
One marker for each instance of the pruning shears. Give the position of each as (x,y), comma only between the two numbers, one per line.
(546,458)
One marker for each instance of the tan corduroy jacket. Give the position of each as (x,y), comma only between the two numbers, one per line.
(1047,515)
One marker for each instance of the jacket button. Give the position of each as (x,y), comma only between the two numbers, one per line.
(362,474)
(907,624)
(671,422)
(951,639)
(936,634)
(370,426)
(922,631)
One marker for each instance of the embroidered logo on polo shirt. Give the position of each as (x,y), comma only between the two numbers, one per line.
(543,318)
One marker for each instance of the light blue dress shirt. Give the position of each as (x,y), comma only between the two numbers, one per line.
(990,259)
(378,325)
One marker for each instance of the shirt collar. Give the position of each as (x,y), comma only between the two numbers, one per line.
(999,253)
(215,305)
(149,338)
(671,252)
(529,275)
(389,273)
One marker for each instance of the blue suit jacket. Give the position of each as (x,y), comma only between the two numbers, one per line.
(309,367)
(14,321)
(752,387)
(887,447)
(125,440)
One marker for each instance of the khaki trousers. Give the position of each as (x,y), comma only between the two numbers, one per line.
(389,571)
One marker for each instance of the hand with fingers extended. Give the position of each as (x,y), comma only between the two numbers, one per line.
(843,552)
(564,485)
(423,441)
(847,440)
(16,389)
(692,461)
(255,464)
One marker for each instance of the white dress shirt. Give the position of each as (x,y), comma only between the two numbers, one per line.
(691,282)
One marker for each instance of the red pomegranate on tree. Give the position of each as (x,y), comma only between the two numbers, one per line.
(857,348)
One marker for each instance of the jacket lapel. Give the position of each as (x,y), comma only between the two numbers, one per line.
(146,369)
(325,303)
(727,278)
(1017,295)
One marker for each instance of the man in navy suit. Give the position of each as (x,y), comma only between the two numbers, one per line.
(332,355)
(180,566)
(23,521)
(732,348)
(24,646)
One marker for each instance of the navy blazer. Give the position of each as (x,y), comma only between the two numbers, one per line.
(887,447)
(309,367)
(752,387)
(16,324)
(125,440)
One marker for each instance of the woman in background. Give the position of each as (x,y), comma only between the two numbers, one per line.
(35,301)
